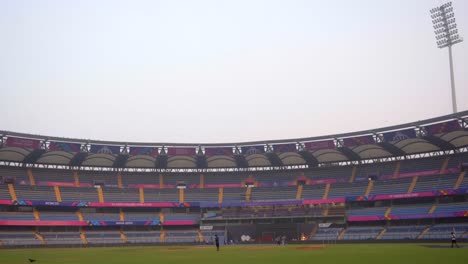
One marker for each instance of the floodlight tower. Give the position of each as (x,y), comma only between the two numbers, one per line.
(446,33)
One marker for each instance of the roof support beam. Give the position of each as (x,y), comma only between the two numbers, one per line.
(161,162)
(33,156)
(241,162)
(78,159)
(442,144)
(351,155)
(397,152)
(201,162)
(120,161)
(309,158)
(274,159)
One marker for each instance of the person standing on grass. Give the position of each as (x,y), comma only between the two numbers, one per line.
(217,242)
(454,239)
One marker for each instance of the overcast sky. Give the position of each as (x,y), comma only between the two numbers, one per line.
(222,71)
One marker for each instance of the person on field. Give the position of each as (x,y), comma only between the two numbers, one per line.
(454,240)
(217,242)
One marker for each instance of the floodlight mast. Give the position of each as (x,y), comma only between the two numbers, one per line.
(446,33)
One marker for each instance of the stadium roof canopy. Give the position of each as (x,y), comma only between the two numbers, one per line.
(441,135)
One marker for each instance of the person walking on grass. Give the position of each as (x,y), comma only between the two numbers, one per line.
(217,242)
(454,240)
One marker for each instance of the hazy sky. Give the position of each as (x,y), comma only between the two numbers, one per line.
(222,71)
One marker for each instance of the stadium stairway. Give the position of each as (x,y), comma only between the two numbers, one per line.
(76,179)
(161,181)
(181,195)
(353,174)
(342,233)
(387,213)
(248,193)
(381,233)
(200,236)
(162,236)
(142,194)
(397,169)
(121,215)
(413,183)
(220,195)
(11,188)
(58,196)
(432,209)
(36,214)
(119,180)
(424,232)
(80,215)
(202,181)
(327,191)
(32,181)
(161,217)
(83,236)
(40,237)
(101,195)
(369,188)
(299,191)
(123,236)
(459,180)
(444,165)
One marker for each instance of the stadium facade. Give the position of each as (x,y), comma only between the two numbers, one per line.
(404,182)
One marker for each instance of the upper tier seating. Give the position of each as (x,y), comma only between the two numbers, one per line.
(40,193)
(451,207)
(417,165)
(234,194)
(187,178)
(455,160)
(161,195)
(338,190)
(435,182)
(411,209)
(19,174)
(101,216)
(274,193)
(121,195)
(380,211)
(222,178)
(135,178)
(178,217)
(58,216)
(70,194)
(4,192)
(43,175)
(17,216)
(201,195)
(313,192)
(91,177)
(392,186)
(364,171)
(141,216)
(329,173)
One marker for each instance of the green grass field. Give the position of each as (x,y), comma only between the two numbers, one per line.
(291,254)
